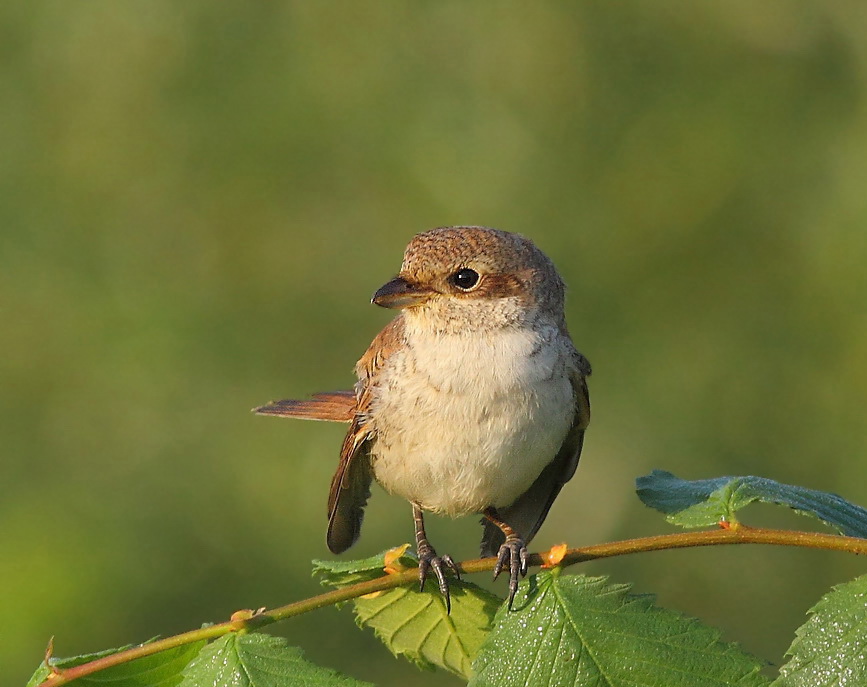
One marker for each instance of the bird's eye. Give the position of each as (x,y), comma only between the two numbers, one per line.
(465,279)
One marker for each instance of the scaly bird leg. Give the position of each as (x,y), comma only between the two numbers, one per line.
(428,559)
(514,551)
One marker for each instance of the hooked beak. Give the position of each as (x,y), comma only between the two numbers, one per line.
(400,293)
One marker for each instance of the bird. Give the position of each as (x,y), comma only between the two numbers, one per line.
(472,400)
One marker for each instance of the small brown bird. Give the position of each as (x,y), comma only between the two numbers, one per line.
(472,400)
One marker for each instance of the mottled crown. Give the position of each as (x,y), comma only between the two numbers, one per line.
(510,265)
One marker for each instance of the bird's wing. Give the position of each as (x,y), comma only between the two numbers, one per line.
(350,486)
(335,406)
(528,513)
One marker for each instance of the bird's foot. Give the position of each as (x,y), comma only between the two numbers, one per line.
(427,561)
(514,554)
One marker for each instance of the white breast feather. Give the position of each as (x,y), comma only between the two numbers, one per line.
(469,421)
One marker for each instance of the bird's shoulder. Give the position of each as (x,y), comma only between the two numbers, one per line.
(383,347)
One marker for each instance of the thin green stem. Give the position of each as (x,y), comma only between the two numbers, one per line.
(245,621)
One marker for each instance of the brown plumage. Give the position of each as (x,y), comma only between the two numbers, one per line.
(332,406)
(473,399)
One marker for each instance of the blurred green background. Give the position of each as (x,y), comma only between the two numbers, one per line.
(197,200)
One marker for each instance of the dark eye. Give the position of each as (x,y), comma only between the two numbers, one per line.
(465,279)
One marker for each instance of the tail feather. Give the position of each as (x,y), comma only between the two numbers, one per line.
(333,406)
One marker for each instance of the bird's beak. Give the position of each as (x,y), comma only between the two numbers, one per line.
(400,293)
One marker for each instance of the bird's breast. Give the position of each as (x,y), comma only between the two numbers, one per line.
(463,422)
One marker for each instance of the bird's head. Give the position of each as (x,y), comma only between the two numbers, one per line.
(465,278)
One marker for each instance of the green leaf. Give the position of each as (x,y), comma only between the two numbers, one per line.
(831,647)
(258,660)
(344,573)
(42,672)
(705,502)
(159,670)
(576,630)
(415,624)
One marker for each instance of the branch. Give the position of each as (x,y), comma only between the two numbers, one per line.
(244,621)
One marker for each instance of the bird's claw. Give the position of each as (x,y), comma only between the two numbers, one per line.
(427,561)
(514,552)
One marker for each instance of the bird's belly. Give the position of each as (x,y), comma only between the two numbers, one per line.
(460,452)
